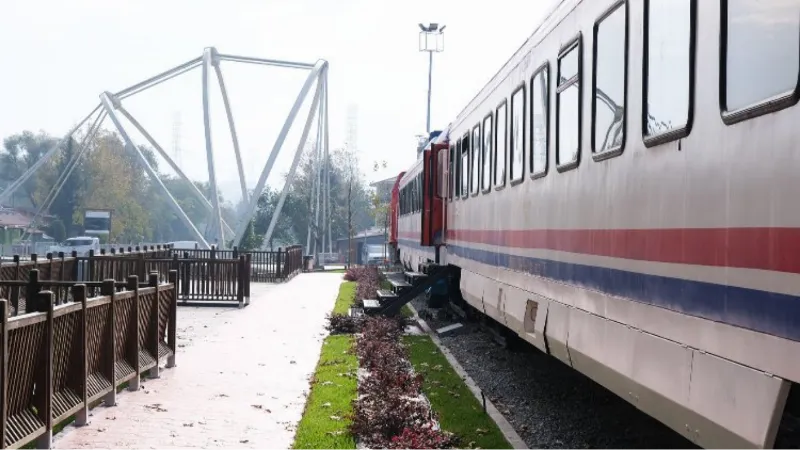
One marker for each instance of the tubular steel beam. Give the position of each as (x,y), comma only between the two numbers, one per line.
(108,104)
(158,79)
(216,220)
(326,148)
(298,153)
(160,150)
(9,191)
(269,62)
(243,184)
(251,209)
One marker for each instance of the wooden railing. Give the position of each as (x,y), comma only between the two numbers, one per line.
(266,266)
(57,360)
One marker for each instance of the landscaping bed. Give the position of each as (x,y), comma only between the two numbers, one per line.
(375,388)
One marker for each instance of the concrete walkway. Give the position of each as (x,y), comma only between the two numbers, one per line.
(241,379)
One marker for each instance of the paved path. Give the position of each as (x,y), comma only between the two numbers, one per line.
(241,378)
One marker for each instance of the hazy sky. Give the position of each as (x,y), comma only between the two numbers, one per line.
(59,56)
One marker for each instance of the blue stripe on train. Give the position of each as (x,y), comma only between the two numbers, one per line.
(415,245)
(766,312)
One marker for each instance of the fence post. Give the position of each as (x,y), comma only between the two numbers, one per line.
(15,290)
(133,285)
(278,269)
(153,325)
(89,275)
(172,337)
(4,372)
(140,268)
(76,267)
(248,273)
(44,303)
(33,289)
(240,280)
(111,364)
(79,295)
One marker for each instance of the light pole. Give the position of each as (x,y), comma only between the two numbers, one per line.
(431,39)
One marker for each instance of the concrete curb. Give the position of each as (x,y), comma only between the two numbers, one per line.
(505,427)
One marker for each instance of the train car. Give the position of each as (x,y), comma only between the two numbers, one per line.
(420,229)
(621,195)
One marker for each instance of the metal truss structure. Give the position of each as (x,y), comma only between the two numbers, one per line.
(111,104)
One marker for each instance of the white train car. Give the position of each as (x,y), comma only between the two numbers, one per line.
(622,195)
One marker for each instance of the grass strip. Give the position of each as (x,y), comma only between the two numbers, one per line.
(459,412)
(347,292)
(324,423)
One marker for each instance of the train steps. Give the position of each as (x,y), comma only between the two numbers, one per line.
(399,285)
(419,283)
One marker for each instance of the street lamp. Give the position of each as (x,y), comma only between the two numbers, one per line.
(431,39)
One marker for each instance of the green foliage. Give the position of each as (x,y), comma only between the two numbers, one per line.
(457,409)
(250,241)
(57,230)
(347,292)
(333,388)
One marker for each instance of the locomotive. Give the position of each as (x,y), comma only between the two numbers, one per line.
(621,195)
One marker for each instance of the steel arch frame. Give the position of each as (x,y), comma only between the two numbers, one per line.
(111,103)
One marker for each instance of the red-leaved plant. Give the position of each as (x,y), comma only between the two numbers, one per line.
(388,412)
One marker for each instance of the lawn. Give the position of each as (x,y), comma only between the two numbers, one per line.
(347,292)
(324,423)
(458,410)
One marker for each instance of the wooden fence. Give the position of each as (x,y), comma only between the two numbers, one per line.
(265,266)
(60,359)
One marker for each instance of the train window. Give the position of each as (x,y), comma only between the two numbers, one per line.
(487,153)
(452,174)
(668,85)
(516,141)
(760,35)
(475,181)
(456,162)
(500,146)
(465,148)
(539,121)
(568,108)
(609,77)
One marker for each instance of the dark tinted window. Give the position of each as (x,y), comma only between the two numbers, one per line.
(609,89)
(762,50)
(500,147)
(517,136)
(465,165)
(568,104)
(476,160)
(668,65)
(452,173)
(539,113)
(488,139)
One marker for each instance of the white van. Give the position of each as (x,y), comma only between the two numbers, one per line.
(80,244)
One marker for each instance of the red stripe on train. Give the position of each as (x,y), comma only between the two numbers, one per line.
(776,249)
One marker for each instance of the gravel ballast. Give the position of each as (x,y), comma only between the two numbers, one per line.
(548,403)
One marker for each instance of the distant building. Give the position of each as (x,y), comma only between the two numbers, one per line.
(384,188)
(372,236)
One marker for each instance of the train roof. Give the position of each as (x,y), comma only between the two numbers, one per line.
(557,13)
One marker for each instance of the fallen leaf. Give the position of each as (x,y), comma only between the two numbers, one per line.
(326,405)
(337,418)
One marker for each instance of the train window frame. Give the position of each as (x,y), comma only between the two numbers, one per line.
(468,173)
(475,158)
(509,127)
(543,68)
(686,130)
(490,153)
(759,108)
(614,151)
(497,186)
(574,43)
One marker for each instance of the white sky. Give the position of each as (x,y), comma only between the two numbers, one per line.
(59,56)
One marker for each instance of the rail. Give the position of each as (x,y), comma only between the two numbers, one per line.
(58,360)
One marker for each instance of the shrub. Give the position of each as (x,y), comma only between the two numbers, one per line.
(343,324)
(388,412)
(423,437)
